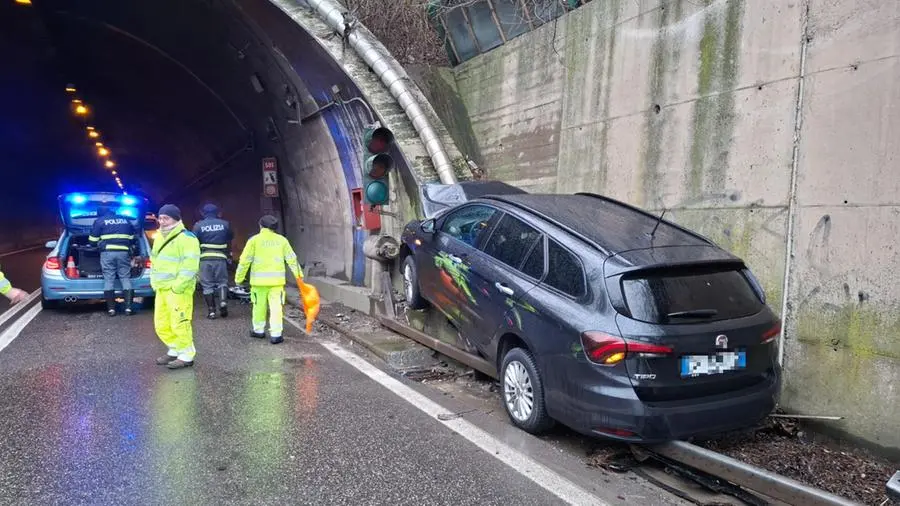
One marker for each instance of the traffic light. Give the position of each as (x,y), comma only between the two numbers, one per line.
(377,166)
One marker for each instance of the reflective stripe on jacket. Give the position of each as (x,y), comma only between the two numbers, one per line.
(113,233)
(265,255)
(215,238)
(5,286)
(175,267)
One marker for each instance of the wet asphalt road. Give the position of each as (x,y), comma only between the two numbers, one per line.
(87,417)
(23,270)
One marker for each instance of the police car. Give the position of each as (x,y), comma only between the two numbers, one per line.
(71,272)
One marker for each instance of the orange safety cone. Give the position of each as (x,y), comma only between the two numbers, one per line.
(71,270)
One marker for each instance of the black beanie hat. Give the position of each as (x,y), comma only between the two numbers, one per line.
(210,210)
(268,221)
(170,211)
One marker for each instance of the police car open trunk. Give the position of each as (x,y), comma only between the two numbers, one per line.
(79,211)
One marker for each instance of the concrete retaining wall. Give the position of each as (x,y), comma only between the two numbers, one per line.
(767,125)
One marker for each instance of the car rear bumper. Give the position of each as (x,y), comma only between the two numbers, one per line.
(59,288)
(618,414)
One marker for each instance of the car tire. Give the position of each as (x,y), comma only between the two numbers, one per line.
(49,304)
(148,302)
(520,383)
(411,285)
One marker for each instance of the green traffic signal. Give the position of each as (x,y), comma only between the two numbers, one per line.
(378,165)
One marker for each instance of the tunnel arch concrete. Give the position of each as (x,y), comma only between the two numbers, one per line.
(219,46)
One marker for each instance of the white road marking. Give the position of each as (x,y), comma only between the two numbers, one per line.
(16,328)
(550,480)
(24,250)
(12,311)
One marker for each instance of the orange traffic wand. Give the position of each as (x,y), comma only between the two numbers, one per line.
(311,302)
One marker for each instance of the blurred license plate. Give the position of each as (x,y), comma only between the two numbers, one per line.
(702,365)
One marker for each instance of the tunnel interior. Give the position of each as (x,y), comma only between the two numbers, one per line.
(188,96)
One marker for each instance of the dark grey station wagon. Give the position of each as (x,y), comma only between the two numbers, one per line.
(599,315)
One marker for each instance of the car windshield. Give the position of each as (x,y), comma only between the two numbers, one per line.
(690,296)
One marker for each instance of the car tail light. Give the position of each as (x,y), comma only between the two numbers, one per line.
(53,264)
(148,264)
(771,334)
(607,349)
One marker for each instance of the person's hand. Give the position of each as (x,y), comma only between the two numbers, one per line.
(16,296)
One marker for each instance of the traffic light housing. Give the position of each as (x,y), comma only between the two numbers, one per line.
(377,165)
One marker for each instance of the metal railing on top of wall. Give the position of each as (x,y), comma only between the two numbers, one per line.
(475,27)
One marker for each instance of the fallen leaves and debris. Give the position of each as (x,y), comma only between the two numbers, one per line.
(786,447)
(438,372)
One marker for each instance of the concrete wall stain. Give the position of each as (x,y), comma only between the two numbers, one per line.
(714,113)
(654,118)
(609,66)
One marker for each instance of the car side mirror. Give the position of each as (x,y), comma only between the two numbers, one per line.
(427,227)
(50,244)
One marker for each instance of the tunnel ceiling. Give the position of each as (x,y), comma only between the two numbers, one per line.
(150,74)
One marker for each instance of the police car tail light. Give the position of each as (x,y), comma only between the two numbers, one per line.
(771,334)
(53,264)
(607,349)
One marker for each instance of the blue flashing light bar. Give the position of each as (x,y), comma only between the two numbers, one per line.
(129,212)
(129,201)
(77,198)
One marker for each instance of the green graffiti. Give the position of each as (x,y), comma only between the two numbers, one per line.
(458,272)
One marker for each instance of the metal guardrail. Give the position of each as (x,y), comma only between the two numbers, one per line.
(479,364)
(748,476)
(893,487)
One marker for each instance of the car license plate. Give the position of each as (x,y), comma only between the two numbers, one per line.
(702,365)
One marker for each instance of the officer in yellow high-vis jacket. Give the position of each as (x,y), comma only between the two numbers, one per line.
(265,256)
(13,294)
(175,260)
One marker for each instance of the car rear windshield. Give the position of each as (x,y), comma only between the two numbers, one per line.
(690,296)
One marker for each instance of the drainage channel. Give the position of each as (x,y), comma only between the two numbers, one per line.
(711,469)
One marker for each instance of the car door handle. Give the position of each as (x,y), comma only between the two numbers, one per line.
(455,259)
(503,288)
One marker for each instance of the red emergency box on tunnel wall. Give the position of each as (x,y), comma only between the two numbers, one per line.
(366,217)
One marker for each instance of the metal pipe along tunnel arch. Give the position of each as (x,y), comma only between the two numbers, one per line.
(194,94)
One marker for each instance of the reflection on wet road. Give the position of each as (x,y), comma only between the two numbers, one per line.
(88,417)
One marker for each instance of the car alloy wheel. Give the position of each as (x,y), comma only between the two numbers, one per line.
(518,391)
(408,281)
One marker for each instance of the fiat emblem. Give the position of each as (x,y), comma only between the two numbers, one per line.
(722,341)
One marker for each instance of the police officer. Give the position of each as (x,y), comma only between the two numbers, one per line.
(115,237)
(265,256)
(176,260)
(13,294)
(215,238)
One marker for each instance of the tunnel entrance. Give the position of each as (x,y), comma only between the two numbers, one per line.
(184,102)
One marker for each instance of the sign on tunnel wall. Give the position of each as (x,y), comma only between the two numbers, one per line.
(270,177)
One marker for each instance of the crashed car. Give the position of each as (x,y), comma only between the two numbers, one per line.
(598,315)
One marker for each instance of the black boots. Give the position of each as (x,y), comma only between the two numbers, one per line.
(110,296)
(129,298)
(211,306)
(223,301)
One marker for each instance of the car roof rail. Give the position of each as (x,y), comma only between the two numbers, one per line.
(582,237)
(647,213)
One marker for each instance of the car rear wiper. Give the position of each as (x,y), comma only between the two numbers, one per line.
(694,313)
